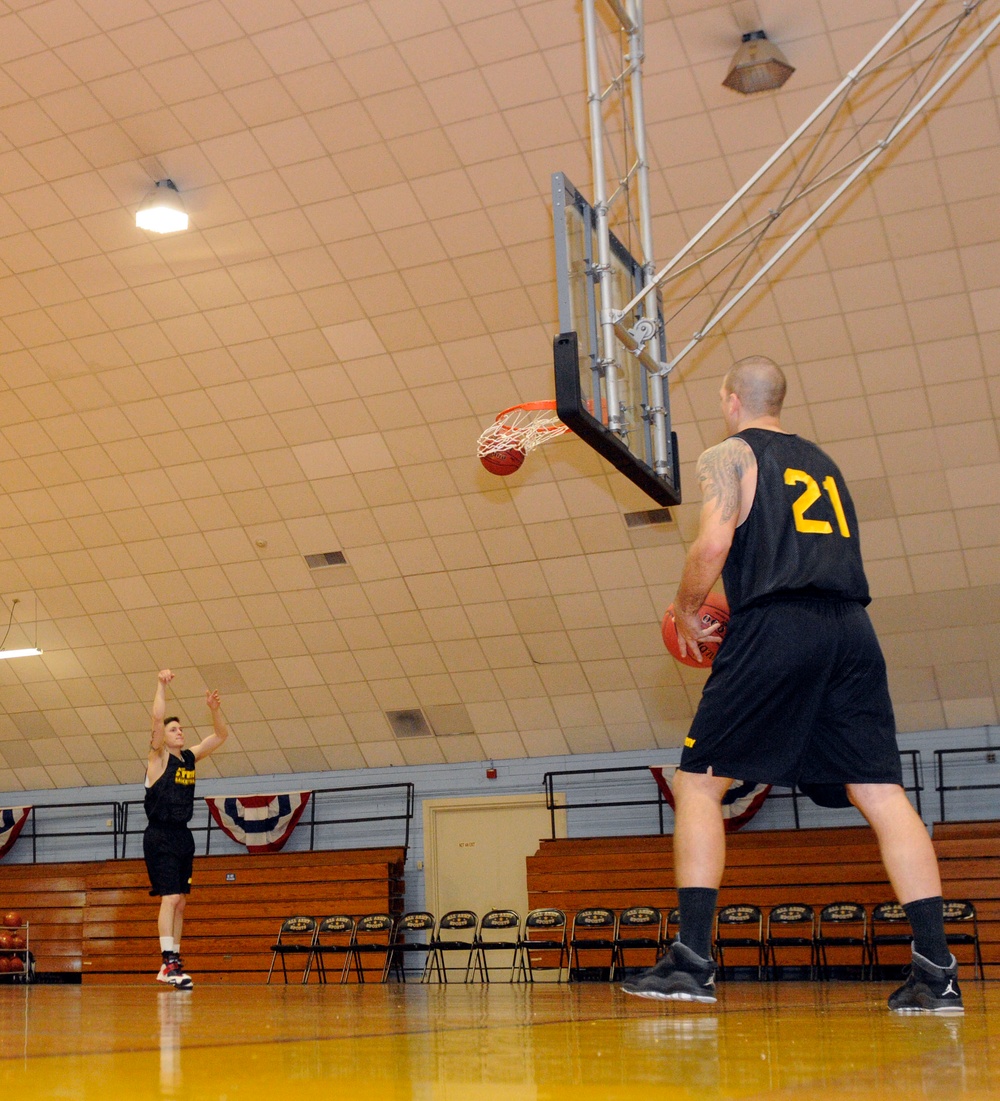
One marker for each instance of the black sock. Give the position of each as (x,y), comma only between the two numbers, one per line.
(697,907)
(927,920)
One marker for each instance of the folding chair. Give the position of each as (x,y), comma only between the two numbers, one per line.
(454,921)
(499,931)
(672,927)
(892,916)
(414,932)
(334,937)
(842,925)
(377,933)
(639,927)
(594,929)
(749,921)
(962,913)
(544,934)
(296,937)
(785,917)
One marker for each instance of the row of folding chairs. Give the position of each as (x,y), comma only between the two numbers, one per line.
(387,942)
(838,925)
(600,938)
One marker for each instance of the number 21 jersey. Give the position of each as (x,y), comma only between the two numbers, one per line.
(801,536)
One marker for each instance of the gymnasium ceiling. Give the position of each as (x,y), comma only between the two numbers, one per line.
(368,280)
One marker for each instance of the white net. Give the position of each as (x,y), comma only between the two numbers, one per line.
(521,428)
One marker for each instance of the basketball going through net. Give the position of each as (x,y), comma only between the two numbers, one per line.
(515,432)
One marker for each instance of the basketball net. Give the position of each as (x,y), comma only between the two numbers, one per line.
(521,428)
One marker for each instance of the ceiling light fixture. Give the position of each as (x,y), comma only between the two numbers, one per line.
(30,652)
(23,652)
(163,211)
(757,66)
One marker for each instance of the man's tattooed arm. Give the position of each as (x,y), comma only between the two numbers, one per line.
(720,473)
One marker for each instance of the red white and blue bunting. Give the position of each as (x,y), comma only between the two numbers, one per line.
(12,821)
(740,803)
(261,822)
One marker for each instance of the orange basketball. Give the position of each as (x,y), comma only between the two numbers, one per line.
(715,610)
(503,463)
(5,964)
(6,942)
(17,942)
(12,919)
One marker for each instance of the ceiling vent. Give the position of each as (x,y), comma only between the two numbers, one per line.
(329,558)
(647,519)
(410,723)
(443,720)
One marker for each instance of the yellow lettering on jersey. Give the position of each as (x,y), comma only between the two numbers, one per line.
(834,494)
(805,500)
(184,776)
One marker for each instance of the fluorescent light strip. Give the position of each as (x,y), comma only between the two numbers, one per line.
(30,652)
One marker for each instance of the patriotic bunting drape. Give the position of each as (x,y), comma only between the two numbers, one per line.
(12,821)
(740,803)
(261,822)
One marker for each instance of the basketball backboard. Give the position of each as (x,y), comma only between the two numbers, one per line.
(611,403)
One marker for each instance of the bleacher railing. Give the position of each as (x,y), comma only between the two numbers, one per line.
(968,769)
(628,792)
(43,822)
(329,818)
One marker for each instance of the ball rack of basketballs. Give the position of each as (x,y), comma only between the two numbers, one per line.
(16,961)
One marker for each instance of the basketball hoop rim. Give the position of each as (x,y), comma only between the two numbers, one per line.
(546,406)
(527,407)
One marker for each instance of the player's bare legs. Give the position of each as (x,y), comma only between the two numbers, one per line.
(903,840)
(171,917)
(699,835)
(910,860)
(687,972)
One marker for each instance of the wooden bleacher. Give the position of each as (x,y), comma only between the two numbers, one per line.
(98,919)
(766,867)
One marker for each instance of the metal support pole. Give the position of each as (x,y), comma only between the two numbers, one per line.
(595,102)
(657,411)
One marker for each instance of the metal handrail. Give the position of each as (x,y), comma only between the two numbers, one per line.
(548,781)
(989,754)
(118,814)
(405,816)
(109,809)
(916,786)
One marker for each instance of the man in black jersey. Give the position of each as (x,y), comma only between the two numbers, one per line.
(168,844)
(798,691)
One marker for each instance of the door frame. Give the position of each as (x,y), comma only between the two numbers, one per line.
(433,807)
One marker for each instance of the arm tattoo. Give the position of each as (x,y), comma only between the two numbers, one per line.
(720,470)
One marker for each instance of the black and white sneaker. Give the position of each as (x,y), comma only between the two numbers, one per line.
(680,976)
(928,989)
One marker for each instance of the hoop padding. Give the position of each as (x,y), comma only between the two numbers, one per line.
(521,428)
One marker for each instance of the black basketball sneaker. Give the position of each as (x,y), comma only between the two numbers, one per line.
(680,976)
(928,989)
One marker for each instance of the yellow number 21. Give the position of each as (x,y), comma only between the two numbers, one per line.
(808,497)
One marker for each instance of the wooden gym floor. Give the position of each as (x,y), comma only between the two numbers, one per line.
(479,1043)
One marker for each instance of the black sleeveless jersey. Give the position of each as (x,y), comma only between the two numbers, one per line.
(170,801)
(801,536)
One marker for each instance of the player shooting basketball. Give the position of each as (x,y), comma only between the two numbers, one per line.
(168,844)
(798,692)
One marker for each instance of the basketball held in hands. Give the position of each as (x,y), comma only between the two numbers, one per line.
(714,613)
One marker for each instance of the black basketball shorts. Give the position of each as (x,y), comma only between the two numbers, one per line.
(169,853)
(798,695)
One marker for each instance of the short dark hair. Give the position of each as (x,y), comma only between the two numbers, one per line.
(171,719)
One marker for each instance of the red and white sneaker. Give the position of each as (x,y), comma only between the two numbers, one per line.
(172,973)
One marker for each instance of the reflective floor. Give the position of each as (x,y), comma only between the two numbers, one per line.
(473,1043)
